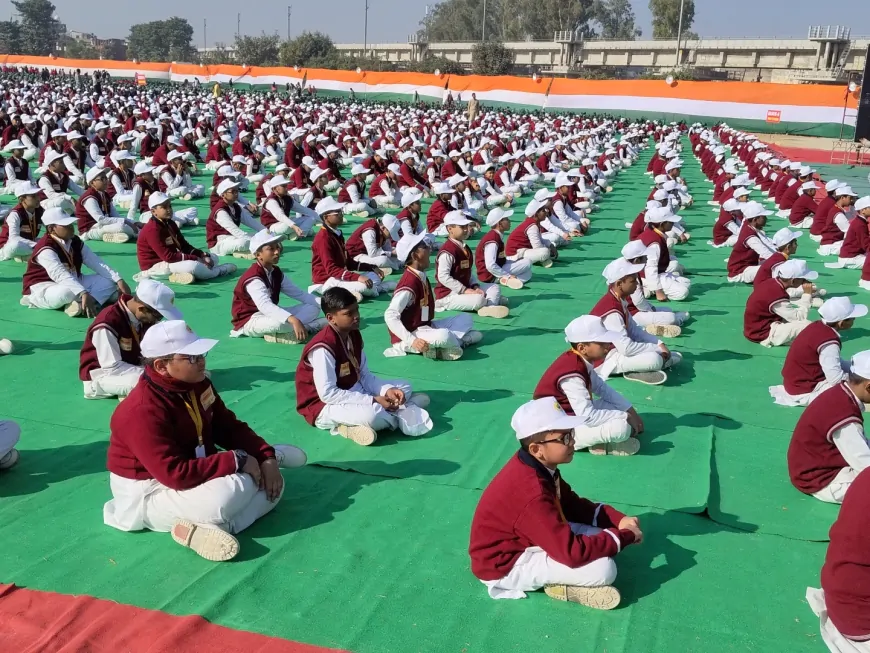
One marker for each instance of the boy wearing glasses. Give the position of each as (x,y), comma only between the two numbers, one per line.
(604,425)
(110,361)
(180,461)
(531,531)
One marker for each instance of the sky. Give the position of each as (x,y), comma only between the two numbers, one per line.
(391,21)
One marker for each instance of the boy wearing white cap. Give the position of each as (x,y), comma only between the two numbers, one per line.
(409,217)
(165,470)
(372,243)
(22,224)
(456,288)
(309,197)
(53,278)
(255,309)
(56,183)
(110,361)
(804,209)
(352,193)
(96,214)
(575,223)
(335,390)
(637,355)
(164,253)
(385,188)
(813,363)
(663,273)
(604,425)
(836,224)
(223,232)
(553,232)
(526,243)
(728,224)
(176,181)
(409,315)
(771,317)
(659,321)
(284,215)
(330,264)
(490,255)
(856,243)
(531,531)
(828,448)
(752,246)
(17,169)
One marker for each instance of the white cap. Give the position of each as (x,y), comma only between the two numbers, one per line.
(394,167)
(123,155)
(837,309)
(808,185)
(156,199)
(796,269)
(51,156)
(784,236)
(456,179)
(442,189)
(328,205)
(833,185)
(359,169)
(141,168)
(863,203)
(661,214)
(496,215)
(57,216)
(407,243)
(741,192)
(533,207)
(316,174)
(263,237)
(391,222)
(15,145)
(456,219)
(589,328)
(843,189)
(410,196)
(174,154)
(278,180)
(159,297)
(754,210)
(174,337)
(539,416)
(633,249)
(731,205)
(619,269)
(805,170)
(29,189)
(860,365)
(563,180)
(94,173)
(225,185)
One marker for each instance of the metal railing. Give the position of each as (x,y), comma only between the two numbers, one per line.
(830,32)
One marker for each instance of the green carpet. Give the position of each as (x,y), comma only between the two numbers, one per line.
(367,551)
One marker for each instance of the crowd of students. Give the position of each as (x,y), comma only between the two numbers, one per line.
(111,168)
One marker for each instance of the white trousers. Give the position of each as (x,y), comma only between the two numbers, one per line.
(650,361)
(199,270)
(537,255)
(262,325)
(385,202)
(832,637)
(227,245)
(521,269)
(99,230)
(332,185)
(52,296)
(381,261)
(534,569)
(378,285)
(830,250)
(306,224)
(783,333)
(214,165)
(836,490)
(675,287)
(182,217)
(371,415)
(15,247)
(783,398)
(662,315)
(60,201)
(10,433)
(491,297)
(104,384)
(123,200)
(747,276)
(231,503)
(854,263)
(732,240)
(13,184)
(614,430)
(358,207)
(448,332)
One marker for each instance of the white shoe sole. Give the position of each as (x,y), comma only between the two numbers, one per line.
(362,435)
(182,278)
(663,330)
(282,339)
(116,238)
(496,312)
(600,598)
(661,377)
(244,255)
(514,284)
(626,448)
(73,310)
(210,543)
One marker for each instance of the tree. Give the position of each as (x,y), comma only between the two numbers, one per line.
(491,58)
(432,63)
(462,20)
(666,17)
(10,37)
(162,40)
(258,50)
(615,19)
(39,30)
(75,49)
(217,56)
(304,48)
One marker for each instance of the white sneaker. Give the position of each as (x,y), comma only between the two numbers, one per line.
(282,338)
(357,295)
(513,283)
(74,309)
(182,278)
(625,448)
(289,456)
(547,264)
(187,197)
(497,312)
(362,435)
(10,459)
(605,597)
(209,543)
(244,255)
(449,353)
(420,400)
(386,271)
(656,377)
(663,330)
(116,238)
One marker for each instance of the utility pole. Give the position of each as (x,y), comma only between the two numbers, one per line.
(483,34)
(289,12)
(204,36)
(366,31)
(238,25)
(679,35)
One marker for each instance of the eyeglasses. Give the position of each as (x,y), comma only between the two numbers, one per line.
(566,439)
(193,359)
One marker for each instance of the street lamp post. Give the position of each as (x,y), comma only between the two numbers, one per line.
(366,31)
(679,35)
(289,12)
(483,31)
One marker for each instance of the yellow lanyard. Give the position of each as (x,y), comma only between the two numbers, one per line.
(659,232)
(193,411)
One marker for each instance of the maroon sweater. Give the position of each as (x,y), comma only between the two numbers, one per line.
(802,372)
(154,437)
(520,508)
(243,307)
(758,315)
(421,296)
(85,221)
(161,241)
(480,257)
(347,360)
(568,365)
(329,258)
(846,574)
(115,320)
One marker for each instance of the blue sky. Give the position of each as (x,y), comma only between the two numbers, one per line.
(393,20)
